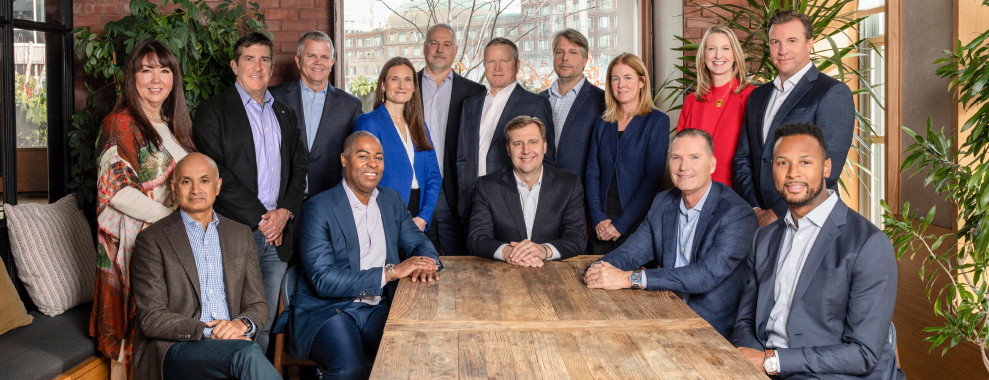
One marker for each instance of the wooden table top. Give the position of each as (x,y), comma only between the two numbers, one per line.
(491,320)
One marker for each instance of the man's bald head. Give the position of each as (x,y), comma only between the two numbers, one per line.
(196,158)
(196,183)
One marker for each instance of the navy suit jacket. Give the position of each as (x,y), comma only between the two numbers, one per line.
(330,253)
(398,171)
(817,99)
(223,132)
(714,278)
(497,216)
(841,310)
(575,141)
(340,111)
(520,102)
(463,88)
(640,160)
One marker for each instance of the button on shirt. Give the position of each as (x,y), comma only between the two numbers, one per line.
(797,242)
(436,106)
(491,113)
(562,104)
(267,145)
(370,234)
(209,265)
(781,91)
(529,199)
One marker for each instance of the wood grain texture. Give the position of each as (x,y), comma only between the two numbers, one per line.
(492,320)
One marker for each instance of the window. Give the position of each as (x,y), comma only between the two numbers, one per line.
(527,46)
(348,43)
(401,37)
(872,64)
(559,9)
(603,22)
(604,41)
(544,10)
(543,45)
(472,34)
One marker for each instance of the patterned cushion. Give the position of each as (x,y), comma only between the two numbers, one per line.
(12,311)
(54,253)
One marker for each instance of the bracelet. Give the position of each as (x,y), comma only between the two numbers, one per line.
(389,272)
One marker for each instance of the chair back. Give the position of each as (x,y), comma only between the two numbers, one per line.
(288,284)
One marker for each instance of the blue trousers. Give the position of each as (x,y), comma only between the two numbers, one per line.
(272,272)
(217,359)
(347,342)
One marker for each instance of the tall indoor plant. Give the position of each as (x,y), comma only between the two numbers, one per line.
(954,263)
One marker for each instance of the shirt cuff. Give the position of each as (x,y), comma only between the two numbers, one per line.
(497,252)
(555,252)
(645,281)
(384,277)
(252,328)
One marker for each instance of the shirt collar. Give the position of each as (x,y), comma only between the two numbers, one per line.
(505,92)
(307,90)
(354,202)
(520,182)
(794,79)
(187,220)
(246,98)
(819,214)
(554,89)
(700,204)
(425,75)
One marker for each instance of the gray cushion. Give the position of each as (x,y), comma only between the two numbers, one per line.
(47,347)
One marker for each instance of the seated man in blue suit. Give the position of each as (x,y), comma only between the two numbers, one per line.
(529,212)
(699,232)
(820,283)
(356,238)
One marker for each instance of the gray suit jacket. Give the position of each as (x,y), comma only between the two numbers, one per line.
(166,288)
(840,315)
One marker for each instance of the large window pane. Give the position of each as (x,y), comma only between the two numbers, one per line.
(38,10)
(31,115)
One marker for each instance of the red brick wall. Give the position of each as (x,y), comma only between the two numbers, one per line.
(287,20)
(699,15)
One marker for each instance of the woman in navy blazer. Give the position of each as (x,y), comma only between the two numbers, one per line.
(397,121)
(627,155)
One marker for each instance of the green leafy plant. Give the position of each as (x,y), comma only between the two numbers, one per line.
(32,99)
(362,86)
(200,33)
(954,263)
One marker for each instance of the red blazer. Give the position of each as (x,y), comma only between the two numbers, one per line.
(723,123)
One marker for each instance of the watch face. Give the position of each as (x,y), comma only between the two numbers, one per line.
(636,280)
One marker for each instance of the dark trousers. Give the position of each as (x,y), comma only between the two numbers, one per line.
(347,342)
(446,232)
(217,359)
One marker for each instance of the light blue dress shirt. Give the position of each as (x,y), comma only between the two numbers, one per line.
(267,145)
(209,265)
(312,110)
(686,228)
(562,103)
(436,106)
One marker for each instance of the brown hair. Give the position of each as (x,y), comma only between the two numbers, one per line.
(412,112)
(174,111)
(504,41)
(704,79)
(522,121)
(612,110)
(785,16)
(575,37)
(694,132)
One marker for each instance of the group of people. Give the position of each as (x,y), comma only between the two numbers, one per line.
(296,173)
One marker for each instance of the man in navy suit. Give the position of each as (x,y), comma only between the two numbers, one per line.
(577,104)
(484,118)
(325,114)
(820,283)
(357,239)
(443,93)
(800,93)
(699,232)
(527,213)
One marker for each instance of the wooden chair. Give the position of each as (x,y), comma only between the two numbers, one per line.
(283,359)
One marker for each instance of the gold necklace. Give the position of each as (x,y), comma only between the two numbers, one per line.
(721,101)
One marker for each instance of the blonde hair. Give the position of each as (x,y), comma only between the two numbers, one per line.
(612,110)
(704,79)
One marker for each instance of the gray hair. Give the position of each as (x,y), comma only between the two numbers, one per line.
(503,41)
(453,33)
(348,144)
(317,36)
(572,35)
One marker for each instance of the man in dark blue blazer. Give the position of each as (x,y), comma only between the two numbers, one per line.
(577,104)
(527,213)
(356,240)
(820,283)
(699,232)
(800,93)
(443,93)
(485,115)
(325,114)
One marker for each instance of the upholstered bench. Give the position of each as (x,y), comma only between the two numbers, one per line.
(48,347)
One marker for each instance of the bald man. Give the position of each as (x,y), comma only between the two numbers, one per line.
(199,329)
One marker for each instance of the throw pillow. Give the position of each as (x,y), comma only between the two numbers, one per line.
(12,311)
(54,253)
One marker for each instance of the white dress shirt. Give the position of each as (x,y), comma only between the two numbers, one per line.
(529,198)
(410,150)
(494,104)
(797,242)
(781,91)
(370,234)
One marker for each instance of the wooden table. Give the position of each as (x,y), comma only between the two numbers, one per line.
(491,320)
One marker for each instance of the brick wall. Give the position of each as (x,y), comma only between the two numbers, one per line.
(700,15)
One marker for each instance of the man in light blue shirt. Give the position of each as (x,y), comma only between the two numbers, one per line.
(699,232)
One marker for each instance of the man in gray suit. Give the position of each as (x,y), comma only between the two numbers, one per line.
(198,289)
(325,114)
(820,283)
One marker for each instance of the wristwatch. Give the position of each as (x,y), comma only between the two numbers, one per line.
(772,363)
(636,279)
(389,272)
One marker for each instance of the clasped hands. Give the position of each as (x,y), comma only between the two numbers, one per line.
(603,275)
(525,253)
(419,268)
(224,329)
(607,231)
(273,224)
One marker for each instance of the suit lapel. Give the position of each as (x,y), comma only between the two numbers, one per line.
(670,226)
(510,193)
(345,220)
(766,275)
(513,103)
(241,128)
(285,128)
(547,193)
(822,245)
(232,266)
(388,216)
(182,249)
(707,214)
(578,104)
(801,89)
(757,104)
(329,101)
(293,98)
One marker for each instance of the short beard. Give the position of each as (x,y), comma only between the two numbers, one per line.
(812,193)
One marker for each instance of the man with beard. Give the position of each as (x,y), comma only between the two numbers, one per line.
(821,281)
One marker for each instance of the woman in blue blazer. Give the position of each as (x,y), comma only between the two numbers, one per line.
(627,156)
(411,168)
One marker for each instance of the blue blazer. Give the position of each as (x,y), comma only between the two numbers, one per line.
(398,171)
(330,253)
(714,278)
(520,102)
(840,315)
(571,150)
(639,159)
(817,99)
